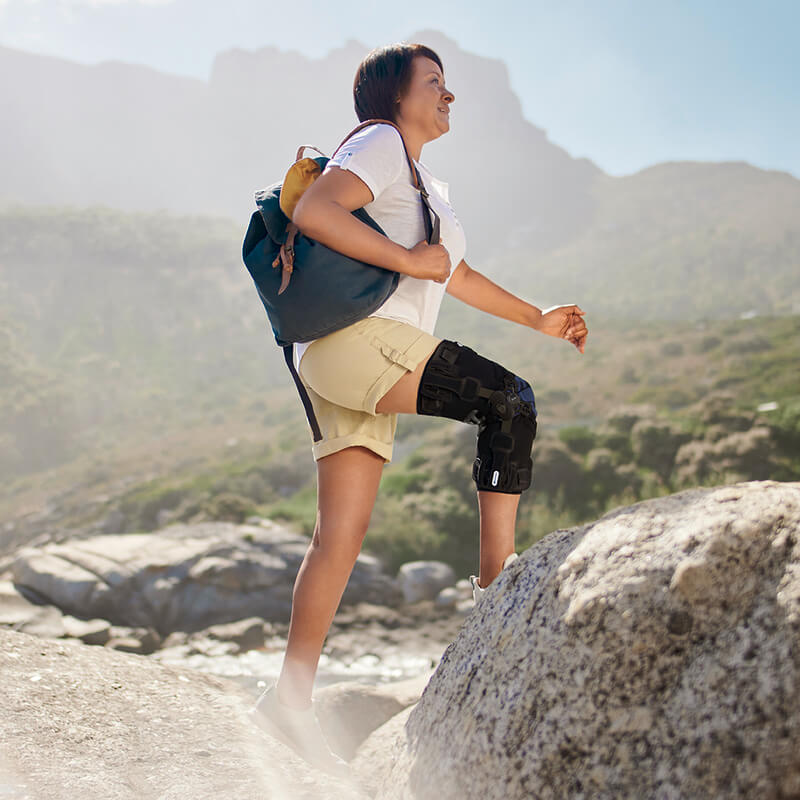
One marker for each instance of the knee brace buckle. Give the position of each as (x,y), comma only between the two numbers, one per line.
(504,404)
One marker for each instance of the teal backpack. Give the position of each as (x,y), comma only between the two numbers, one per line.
(307,289)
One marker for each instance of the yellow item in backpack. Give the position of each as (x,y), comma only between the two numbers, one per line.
(300,176)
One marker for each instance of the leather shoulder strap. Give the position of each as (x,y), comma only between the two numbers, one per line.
(432,231)
(388,122)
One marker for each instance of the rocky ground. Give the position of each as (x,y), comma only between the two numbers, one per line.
(652,653)
(100,724)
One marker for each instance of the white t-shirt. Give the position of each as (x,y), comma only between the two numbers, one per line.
(376,154)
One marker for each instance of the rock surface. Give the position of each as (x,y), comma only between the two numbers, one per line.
(98,724)
(653,653)
(89,722)
(183,577)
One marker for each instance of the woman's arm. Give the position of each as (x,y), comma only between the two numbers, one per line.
(475,289)
(324,213)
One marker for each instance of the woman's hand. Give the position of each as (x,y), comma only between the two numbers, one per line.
(429,262)
(564,322)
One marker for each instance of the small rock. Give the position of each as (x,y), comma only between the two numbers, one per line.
(89,631)
(447,598)
(246,634)
(423,580)
(128,644)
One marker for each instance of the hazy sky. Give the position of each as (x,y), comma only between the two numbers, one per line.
(627,83)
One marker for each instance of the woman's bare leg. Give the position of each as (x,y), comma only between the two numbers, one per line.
(498,511)
(347,485)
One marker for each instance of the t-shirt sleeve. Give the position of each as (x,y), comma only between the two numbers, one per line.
(376,154)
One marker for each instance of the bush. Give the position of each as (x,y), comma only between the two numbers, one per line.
(624,418)
(602,473)
(558,478)
(719,409)
(618,443)
(785,427)
(656,443)
(671,349)
(142,506)
(578,438)
(299,509)
(402,483)
(396,535)
(229,507)
(752,344)
(707,343)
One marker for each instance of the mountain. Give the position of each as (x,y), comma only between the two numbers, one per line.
(680,240)
(134,138)
(141,317)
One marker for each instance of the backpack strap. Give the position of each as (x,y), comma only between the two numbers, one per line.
(432,232)
(288,354)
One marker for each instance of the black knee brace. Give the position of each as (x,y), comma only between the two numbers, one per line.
(460,384)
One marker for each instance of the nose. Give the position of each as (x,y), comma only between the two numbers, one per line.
(448,96)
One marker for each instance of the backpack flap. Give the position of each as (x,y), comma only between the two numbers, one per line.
(275,221)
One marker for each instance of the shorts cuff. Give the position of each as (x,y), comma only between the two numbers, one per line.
(327,447)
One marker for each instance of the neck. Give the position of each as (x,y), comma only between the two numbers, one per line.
(413,140)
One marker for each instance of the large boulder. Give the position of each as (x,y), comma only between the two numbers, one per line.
(183,577)
(652,653)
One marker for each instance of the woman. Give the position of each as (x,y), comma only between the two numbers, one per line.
(361,377)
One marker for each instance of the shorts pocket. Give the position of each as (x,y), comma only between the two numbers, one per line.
(393,353)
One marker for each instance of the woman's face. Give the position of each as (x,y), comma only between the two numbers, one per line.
(426,105)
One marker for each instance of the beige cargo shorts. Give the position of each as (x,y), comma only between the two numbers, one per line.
(348,371)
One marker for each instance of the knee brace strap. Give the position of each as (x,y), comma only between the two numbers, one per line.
(460,384)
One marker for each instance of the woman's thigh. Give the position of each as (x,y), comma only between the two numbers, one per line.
(347,486)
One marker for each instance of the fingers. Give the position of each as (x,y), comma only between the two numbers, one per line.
(576,330)
(580,341)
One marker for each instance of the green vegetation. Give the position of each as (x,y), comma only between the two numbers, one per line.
(142,385)
(427,507)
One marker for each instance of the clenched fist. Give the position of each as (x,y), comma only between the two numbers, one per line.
(429,262)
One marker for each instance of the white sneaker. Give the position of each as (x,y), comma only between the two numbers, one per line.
(477,591)
(298,729)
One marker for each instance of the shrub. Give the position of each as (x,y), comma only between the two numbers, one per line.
(751,344)
(785,427)
(623,419)
(402,483)
(618,443)
(578,438)
(656,443)
(671,349)
(707,343)
(229,507)
(397,534)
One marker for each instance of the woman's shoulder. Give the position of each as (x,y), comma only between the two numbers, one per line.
(379,135)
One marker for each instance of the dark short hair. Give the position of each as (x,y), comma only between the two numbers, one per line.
(383,76)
